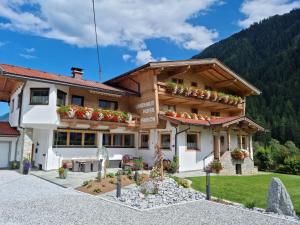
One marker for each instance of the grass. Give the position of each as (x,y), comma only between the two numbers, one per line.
(244,189)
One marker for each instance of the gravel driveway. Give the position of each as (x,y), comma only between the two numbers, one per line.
(30,200)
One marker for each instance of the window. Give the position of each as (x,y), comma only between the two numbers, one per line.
(118,140)
(194,110)
(144,141)
(104,104)
(90,139)
(60,138)
(215,114)
(106,140)
(194,84)
(12,106)
(177,81)
(77,100)
(129,140)
(75,138)
(192,141)
(165,141)
(61,98)
(168,108)
(20,100)
(208,87)
(39,96)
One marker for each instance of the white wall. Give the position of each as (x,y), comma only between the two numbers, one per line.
(191,159)
(37,116)
(14,115)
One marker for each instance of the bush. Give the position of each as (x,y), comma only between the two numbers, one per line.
(110,175)
(216,166)
(262,158)
(97,190)
(182,182)
(291,165)
(250,205)
(174,166)
(138,163)
(85,183)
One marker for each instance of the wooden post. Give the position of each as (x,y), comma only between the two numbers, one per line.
(228,139)
(217,146)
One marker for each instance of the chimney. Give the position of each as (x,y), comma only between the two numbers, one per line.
(77,73)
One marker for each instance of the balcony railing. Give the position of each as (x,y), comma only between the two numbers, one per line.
(73,112)
(198,94)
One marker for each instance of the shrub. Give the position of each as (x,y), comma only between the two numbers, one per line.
(182,182)
(250,204)
(291,165)
(138,163)
(85,183)
(97,190)
(110,175)
(262,158)
(111,181)
(174,166)
(155,172)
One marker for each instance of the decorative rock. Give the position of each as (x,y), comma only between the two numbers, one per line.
(279,200)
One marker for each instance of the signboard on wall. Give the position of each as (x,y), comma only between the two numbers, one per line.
(147,110)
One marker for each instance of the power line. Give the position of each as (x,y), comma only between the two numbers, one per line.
(97,45)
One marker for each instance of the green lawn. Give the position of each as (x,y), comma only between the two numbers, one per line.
(248,188)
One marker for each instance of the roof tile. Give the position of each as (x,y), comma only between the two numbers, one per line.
(7,130)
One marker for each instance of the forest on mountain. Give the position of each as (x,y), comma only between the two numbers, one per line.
(267,54)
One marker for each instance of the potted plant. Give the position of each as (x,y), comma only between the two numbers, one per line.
(88,112)
(240,100)
(194,92)
(171,113)
(80,113)
(61,173)
(216,166)
(171,88)
(207,94)
(194,116)
(237,154)
(26,166)
(180,89)
(214,96)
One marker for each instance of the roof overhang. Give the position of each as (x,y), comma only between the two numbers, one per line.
(214,63)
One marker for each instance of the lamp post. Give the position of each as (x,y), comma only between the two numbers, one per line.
(119,185)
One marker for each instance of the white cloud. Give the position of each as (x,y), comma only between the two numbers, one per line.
(145,56)
(256,10)
(127,23)
(29,50)
(27,56)
(126,57)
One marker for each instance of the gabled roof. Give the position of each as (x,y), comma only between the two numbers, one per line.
(7,130)
(36,75)
(190,62)
(222,121)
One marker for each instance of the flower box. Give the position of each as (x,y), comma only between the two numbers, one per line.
(239,154)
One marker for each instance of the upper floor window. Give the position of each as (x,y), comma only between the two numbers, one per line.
(208,87)
(177,81)
(111,105)
(20,100)
(194,84)
(215,114)
(61,98)
(39,96)
(77,100)
(168,108)
(194,110)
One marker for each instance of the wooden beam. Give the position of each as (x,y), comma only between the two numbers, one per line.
(4,84)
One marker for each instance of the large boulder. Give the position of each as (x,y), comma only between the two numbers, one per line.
(279,200)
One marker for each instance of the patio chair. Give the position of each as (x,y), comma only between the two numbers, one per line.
(87,167)
(75,166)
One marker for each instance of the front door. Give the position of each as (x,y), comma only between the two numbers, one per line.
(238,168)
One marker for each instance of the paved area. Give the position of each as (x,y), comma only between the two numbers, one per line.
(73,180)
(31,200)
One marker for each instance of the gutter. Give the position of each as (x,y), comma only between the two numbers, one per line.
(176,134)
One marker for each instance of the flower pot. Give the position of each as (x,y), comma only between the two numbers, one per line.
(25,171)
(61,176)
(65,174)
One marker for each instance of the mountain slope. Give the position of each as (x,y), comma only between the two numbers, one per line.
(268,55)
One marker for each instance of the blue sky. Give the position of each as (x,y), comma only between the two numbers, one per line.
(53,36)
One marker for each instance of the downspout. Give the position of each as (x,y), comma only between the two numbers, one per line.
(176,134)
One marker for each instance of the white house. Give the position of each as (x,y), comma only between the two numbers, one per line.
(194,109)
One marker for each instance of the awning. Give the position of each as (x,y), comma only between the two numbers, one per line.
(214,122)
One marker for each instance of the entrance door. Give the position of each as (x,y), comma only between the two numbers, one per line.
(238,168)
(4,154)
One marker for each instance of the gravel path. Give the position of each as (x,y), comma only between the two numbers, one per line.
(30,200)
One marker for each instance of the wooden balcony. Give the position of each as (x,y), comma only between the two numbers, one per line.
(174,99)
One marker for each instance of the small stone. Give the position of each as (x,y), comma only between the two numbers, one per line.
(279,200)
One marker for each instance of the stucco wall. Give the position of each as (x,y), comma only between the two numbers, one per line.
(14,114)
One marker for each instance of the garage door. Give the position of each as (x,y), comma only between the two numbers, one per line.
(4,152)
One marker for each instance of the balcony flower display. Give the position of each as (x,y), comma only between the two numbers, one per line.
(85,113)
(186,115)
(239,154)
(177,89)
